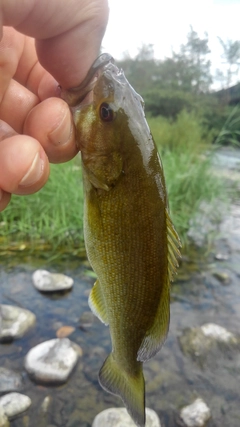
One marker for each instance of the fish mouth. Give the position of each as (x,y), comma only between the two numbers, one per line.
(79,94)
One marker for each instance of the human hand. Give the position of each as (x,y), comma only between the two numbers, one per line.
(35,124)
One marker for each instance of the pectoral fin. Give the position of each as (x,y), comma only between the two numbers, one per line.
(97,304)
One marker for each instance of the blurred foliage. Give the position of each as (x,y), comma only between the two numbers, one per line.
(183,82)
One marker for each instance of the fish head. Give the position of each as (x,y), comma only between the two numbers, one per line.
(107,113)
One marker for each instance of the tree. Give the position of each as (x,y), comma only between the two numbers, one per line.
(193,63)
(231,57)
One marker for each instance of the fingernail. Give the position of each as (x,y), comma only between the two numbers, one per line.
(34,173)
(62,134)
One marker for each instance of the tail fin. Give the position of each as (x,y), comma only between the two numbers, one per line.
(130,388)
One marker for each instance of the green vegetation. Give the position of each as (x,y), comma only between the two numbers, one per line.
(187,159)
(53,216)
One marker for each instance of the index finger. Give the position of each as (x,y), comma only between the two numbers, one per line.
(68,34)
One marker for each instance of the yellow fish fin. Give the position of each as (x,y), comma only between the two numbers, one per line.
(131,389)
(173,247)
(97,304)
(96,182)
(156,335)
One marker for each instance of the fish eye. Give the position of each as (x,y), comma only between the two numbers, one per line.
(106,112)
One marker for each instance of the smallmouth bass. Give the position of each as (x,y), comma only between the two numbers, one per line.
(130,239)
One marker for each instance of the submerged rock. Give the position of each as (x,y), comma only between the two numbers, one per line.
(53,360)
(45,281)
(14,404)
(223,277)
(119,417)
(9,381)
(208,340)
(196,414)
(15,322)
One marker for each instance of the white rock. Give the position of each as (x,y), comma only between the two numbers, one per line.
(14,404)
(119,417)
(3,418)
(45,281)
(15,322)
(53,360)
(196,414)
(218,333)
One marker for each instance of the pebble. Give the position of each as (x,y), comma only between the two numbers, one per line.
(53,360)
(196,414)
(45,281)
(14,404)
(9,380)
(221,257)
(15,322)
(119,417)
(65,331)
(223,277)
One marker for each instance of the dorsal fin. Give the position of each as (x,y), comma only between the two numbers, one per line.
(174,245)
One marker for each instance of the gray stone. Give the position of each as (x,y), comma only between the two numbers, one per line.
(223,277)
(14,404)
(3,418)
(53,360)
(9,380)
(45,281)
(206,342)
(196,414)
(119,417)
(15,322)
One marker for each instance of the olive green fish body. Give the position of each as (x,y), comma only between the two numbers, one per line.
(130,241)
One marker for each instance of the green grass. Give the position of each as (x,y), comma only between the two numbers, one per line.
(53,216)
(187,158)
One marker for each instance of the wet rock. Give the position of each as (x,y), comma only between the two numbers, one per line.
(15,322)
(45,281)
(46,403)
(208,340)
(86,320)
(53,360)
(223,277)
(119,417)
(221,257)
(9,380)
(65,331)
(196,414)
(14,404)
(3,418)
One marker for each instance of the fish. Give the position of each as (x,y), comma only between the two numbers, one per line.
(130,239)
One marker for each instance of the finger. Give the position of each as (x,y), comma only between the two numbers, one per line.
(18,59)
(50,122)
(68,34)
(4,199)
(16,103)
(24,166)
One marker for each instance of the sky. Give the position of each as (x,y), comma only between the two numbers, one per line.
(165,24)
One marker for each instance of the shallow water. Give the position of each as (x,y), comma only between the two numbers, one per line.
(172,379)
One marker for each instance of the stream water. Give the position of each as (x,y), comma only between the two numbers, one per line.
(173,380)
